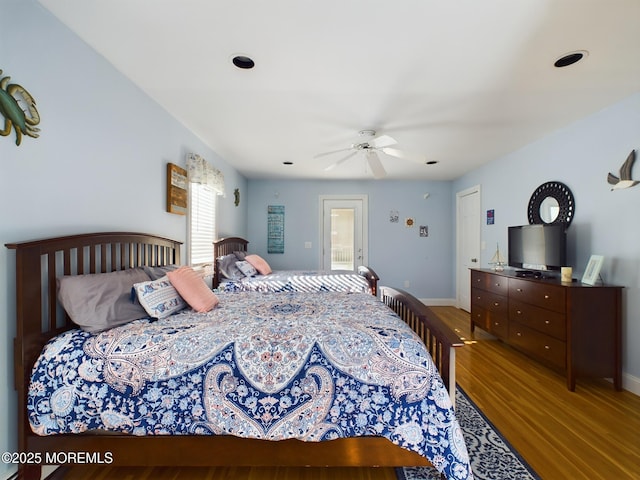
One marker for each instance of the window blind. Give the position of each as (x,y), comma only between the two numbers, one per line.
(202,223)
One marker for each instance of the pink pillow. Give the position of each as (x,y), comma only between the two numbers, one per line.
(259,263)
(191,286)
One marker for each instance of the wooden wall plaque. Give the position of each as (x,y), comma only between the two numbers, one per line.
(176,189)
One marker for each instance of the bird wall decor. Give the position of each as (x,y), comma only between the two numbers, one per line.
(624,181)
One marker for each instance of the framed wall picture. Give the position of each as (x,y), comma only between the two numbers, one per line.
(176,189)
(592,272)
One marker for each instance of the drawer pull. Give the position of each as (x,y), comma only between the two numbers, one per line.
(547,347)
(497,284)
(547,322)
(546,296)
(497,324)
(519,289)
(496,304)
(519,334)
(519,312)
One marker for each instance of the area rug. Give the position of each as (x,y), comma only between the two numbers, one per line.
(492,457)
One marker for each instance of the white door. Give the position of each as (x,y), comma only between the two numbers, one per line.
(344,232)
(468,223)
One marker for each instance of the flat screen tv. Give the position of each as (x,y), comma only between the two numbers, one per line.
(538,247)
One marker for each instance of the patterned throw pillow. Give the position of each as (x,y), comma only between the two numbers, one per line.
(159,297)
(246,268)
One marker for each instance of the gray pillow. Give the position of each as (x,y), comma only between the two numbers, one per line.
(156,273)
(100,301)
(227,267)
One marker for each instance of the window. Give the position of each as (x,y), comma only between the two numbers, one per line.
(205,184)
(202,223)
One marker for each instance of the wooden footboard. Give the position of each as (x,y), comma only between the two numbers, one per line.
(40,317)
(440,340)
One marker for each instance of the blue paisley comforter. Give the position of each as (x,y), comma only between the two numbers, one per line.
(261,365)
(299,281)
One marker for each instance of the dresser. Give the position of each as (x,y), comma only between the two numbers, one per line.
(571,327)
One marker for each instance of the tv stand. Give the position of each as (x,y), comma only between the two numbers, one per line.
(572,327)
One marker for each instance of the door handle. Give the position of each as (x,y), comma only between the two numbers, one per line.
(474,260)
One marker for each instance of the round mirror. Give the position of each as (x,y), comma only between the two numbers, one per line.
(549,209)
(552,202)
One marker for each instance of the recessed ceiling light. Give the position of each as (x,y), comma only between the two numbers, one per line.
(242,61)
(570,58)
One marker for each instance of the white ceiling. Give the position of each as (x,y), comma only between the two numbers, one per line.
(461,81)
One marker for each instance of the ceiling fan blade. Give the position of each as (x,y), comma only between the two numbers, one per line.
(383,141)
(324,154)
(343,159)
(375,165)
(414,157)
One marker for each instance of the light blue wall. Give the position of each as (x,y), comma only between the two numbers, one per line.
(396,253)
(104,146)
(606,223)
(98,165)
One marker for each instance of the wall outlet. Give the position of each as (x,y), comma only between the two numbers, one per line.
(307,244)
(406,283)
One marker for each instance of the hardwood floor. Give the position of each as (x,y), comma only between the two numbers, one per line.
(592,433)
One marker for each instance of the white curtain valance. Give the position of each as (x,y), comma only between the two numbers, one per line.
(201,171)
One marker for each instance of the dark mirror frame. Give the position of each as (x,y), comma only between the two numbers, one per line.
(563,196)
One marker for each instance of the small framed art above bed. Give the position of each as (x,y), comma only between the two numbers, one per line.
(237,270)
(168,388)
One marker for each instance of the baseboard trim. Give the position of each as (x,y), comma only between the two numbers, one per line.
(631,383)
(439,302)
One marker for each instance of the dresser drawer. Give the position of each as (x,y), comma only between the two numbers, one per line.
(546,348)
(551,297)
(540,319)
(495,323)
(499,326)
(490,301)
(480,317)
(489,282)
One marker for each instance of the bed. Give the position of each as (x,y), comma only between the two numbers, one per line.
(42,321)
(365,280)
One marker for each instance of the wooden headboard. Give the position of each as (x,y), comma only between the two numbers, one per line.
(222,247)
(39,315)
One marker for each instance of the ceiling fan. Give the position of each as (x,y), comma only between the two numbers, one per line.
(370,146)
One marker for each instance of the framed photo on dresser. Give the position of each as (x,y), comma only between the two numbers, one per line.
(592,272)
